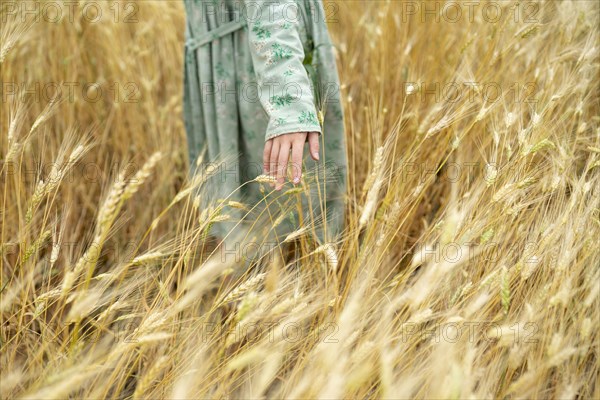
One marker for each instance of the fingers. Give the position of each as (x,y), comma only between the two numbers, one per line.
(284,155)
(267,156)
(313,145)
(297,150)
(276,155)
(273,158)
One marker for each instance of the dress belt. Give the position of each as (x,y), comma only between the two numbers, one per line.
(214,34)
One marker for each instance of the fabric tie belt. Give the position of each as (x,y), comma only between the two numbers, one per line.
(214,34)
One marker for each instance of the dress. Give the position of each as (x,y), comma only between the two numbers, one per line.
(256,69)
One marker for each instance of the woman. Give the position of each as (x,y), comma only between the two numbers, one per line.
(260,83)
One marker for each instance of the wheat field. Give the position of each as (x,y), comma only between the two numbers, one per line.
(468,269)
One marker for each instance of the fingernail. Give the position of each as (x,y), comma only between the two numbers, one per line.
(316,155)
(296,180)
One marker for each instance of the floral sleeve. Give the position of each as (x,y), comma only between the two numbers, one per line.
(278,55)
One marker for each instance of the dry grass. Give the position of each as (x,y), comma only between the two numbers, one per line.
(471,214)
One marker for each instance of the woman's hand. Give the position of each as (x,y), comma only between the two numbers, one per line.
(277,153)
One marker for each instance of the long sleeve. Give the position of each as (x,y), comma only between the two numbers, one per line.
(278,55)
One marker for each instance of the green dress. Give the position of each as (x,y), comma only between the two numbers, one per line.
(256,69)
